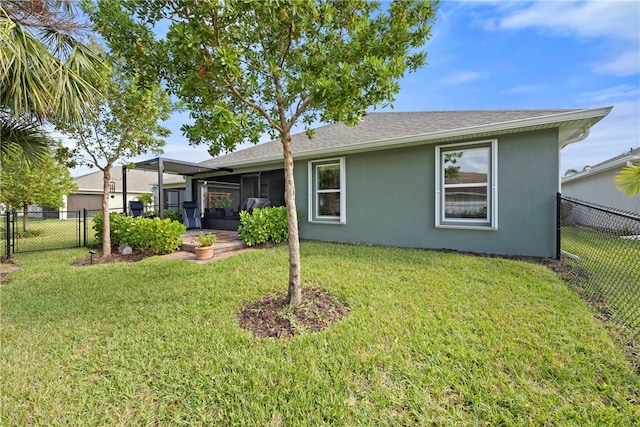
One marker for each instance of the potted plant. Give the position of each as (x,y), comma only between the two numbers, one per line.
(204,245)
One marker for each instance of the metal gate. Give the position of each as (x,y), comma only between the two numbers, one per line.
(44,232)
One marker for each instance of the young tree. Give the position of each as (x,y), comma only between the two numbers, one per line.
(124,125)
(44,181)
(43,70)
(246,67)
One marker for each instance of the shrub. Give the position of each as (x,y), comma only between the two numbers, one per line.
(21,234)
(161,235)
(173,214)
(264,225)
(115,218)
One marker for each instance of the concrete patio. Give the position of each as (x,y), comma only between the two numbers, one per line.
(227,244)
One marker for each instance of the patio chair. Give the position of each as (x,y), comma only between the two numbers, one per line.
(136,208)
(190,217)
(255,202)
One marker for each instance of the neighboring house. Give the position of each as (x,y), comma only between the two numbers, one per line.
(480,181)
(90,189)
(597,185)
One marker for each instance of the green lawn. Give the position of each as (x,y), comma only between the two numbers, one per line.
(613,268)
(53,234)
(431,339)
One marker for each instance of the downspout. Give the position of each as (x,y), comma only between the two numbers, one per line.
(581,137)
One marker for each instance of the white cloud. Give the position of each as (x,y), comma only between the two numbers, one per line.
(461,77)
(611,19)
(625,64)
(614,22)
(612,94)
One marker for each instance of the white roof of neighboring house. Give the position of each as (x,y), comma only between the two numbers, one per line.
(613,163)
(137,180)
(397,129)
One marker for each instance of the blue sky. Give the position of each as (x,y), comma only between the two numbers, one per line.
(521,55)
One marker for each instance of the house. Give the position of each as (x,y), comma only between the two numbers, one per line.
(597,185)
(90,189)
(480,181)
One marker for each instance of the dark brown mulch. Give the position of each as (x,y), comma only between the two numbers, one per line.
(114,257)
(272,317)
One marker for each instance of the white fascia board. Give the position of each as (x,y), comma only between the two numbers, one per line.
(601,169)
(512,126)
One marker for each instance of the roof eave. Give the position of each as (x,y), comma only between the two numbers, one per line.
(596,170)
(581,120)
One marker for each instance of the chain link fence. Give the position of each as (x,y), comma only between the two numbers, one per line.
(38,231)
(601,247)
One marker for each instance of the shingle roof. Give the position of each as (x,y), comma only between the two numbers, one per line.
(615,162)
(631,153)
(137,180)
(390,126)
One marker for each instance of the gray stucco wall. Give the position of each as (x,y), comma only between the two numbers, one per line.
(600,188)
(391,196)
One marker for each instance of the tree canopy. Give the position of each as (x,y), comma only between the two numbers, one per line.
(43,70)
(43,182)
(243,68)
(123,125)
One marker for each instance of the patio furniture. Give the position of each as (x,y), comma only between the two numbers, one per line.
(255,202)
(136,208)
(190,217)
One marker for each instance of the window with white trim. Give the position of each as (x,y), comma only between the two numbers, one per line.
(327,191)
(466,185)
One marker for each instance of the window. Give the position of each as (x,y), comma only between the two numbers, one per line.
(466,185)
(327,191)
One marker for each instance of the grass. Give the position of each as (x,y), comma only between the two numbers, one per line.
(49,234)
(431,339)
(613,268)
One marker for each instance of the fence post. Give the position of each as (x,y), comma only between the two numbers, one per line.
(7,233)
(84,226)
(558,223)
(14,218)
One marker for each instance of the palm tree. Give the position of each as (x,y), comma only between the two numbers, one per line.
(44,71)
(628,179)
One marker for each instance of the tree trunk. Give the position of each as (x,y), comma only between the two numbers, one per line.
(295,291)
(106,228)
(25,217)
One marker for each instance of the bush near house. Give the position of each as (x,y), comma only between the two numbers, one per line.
(173,214)
(161,235)
(264,225)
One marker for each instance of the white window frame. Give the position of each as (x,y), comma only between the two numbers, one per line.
(491,223)
(313,192)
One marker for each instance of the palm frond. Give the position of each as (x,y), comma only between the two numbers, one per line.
(628,179)
(23,138)
(46,77)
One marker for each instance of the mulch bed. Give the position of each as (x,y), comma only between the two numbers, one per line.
(273,317)
(114,257)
